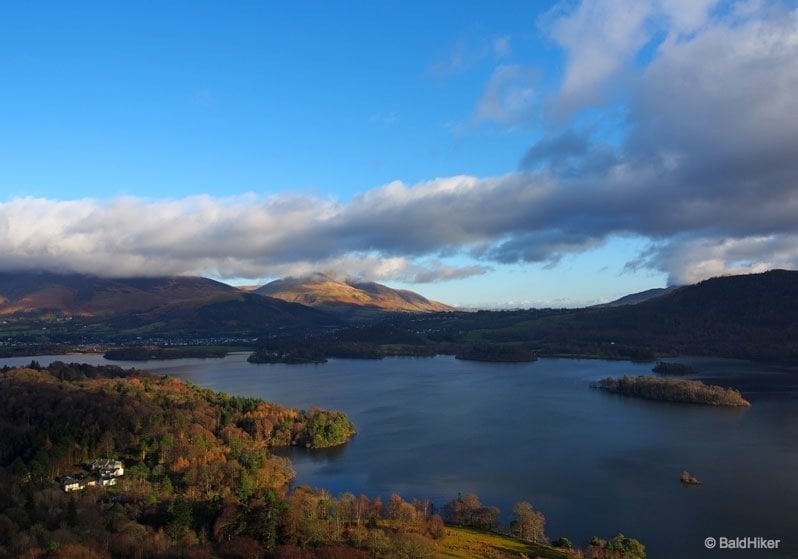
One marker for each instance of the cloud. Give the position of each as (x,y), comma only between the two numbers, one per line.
(569,154)
(708,166)
(693,259)
(706,169)
(686,16)
(509,97)
(468,51)
(599,38)
(602,41)
(375,267)
(243,237)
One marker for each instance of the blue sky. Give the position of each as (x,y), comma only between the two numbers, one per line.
(178,99)
(534,153)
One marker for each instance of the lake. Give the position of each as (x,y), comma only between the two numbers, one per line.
(593,463)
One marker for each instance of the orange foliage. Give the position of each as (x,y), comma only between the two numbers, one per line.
(180,464)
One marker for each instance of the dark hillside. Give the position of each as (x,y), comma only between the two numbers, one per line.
(752,316)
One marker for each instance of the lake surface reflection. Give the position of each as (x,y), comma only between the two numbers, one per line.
(593,463)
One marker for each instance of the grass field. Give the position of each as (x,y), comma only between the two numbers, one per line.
(461,543)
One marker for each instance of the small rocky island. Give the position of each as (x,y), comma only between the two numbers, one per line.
(673,390)
(688,479)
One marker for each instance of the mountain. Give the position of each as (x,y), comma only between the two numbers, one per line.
(85,295)
(634,298)
(748,316)
(76,306)
(751,316)
(325,292)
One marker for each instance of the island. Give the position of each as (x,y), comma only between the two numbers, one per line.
(291,357)
(688,479)
(316,350)
(673,390)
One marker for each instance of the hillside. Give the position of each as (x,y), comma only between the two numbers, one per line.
(753,315)
(85,295)
(42,307)
(325,292)
(635,298)
(749,316)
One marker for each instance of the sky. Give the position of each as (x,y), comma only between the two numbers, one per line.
(486,155)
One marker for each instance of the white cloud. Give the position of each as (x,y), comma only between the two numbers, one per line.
(691,260)
(708,171)
(687,16)
(472,48)
(509,97)
(599,38)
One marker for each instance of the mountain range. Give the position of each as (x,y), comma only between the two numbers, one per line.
(753,316)
(76,306)
(81,306)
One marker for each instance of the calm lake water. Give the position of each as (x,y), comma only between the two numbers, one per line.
(592,462)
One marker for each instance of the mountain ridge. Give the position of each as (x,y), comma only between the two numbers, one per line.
(639,297)
(83,306)
(328,293)
(89,295)
(752,316)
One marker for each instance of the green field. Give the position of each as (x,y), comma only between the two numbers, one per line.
(460,542)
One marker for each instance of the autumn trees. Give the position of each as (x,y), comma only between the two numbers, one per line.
(673,390)
(194,457)
(316,519)
(467,510)
(529,524)
(170,433)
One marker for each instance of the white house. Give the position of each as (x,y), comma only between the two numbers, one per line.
(70,483)
(108,468)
